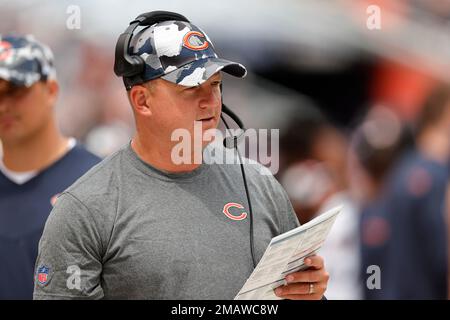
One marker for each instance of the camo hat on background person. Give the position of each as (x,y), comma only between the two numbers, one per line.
(24,60)
(181,53)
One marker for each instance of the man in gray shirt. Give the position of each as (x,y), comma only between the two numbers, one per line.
(141,225)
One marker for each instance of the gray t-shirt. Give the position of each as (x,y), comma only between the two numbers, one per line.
(126,230)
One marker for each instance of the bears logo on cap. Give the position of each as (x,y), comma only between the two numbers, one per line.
(195,40)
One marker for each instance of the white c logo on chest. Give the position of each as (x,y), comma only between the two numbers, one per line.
(229,205)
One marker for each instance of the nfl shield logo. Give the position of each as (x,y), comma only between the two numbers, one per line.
(42,275)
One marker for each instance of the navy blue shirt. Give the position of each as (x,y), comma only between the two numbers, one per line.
(404,232)
(23,212)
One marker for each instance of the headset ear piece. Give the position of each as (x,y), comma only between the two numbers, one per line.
(129,66)
(137,59)
(149,18)
(138,65)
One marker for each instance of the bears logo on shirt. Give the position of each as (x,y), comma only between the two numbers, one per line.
(226,211)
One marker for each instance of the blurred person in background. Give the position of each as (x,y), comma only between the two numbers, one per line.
(448,238)
(315,153)
(377,144)
(309,139)
(38,162)
(403,229)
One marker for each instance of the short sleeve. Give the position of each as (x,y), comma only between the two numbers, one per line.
(69,262)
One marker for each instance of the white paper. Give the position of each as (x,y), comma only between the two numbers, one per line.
(285,254)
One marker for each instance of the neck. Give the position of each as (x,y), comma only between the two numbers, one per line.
(159,155)
(435,145)
(37,152)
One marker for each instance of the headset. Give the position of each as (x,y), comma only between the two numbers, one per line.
(131,69)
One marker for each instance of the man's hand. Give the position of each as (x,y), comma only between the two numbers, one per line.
(307,284)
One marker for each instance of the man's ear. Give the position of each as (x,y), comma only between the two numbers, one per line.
(138,97)
(52,87)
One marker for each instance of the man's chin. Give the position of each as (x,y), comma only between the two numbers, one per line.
(10,136)
(207,143)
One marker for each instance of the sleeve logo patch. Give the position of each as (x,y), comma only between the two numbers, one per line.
(43,275)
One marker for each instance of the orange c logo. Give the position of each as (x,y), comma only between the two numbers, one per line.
(195,40)
(5,50)
(226,208)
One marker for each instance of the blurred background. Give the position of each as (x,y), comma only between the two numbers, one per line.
(363,114)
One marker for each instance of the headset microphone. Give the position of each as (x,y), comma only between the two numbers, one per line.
(231,141)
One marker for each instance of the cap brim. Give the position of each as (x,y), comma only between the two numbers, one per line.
(197,72)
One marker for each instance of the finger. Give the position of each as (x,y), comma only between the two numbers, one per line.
(315,262)
(301,288)
(316,296)
(307,276)
(294,288)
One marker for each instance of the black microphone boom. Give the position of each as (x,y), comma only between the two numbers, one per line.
(231,142)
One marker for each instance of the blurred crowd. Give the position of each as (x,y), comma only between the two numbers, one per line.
(364,119)
(392,177)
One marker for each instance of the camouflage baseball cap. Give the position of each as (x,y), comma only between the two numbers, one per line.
(181,53)
(24,60)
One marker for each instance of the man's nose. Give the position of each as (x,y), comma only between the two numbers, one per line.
(209,96)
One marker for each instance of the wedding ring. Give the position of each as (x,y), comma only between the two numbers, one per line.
(311,288)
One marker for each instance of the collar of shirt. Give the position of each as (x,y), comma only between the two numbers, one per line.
(25,176)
